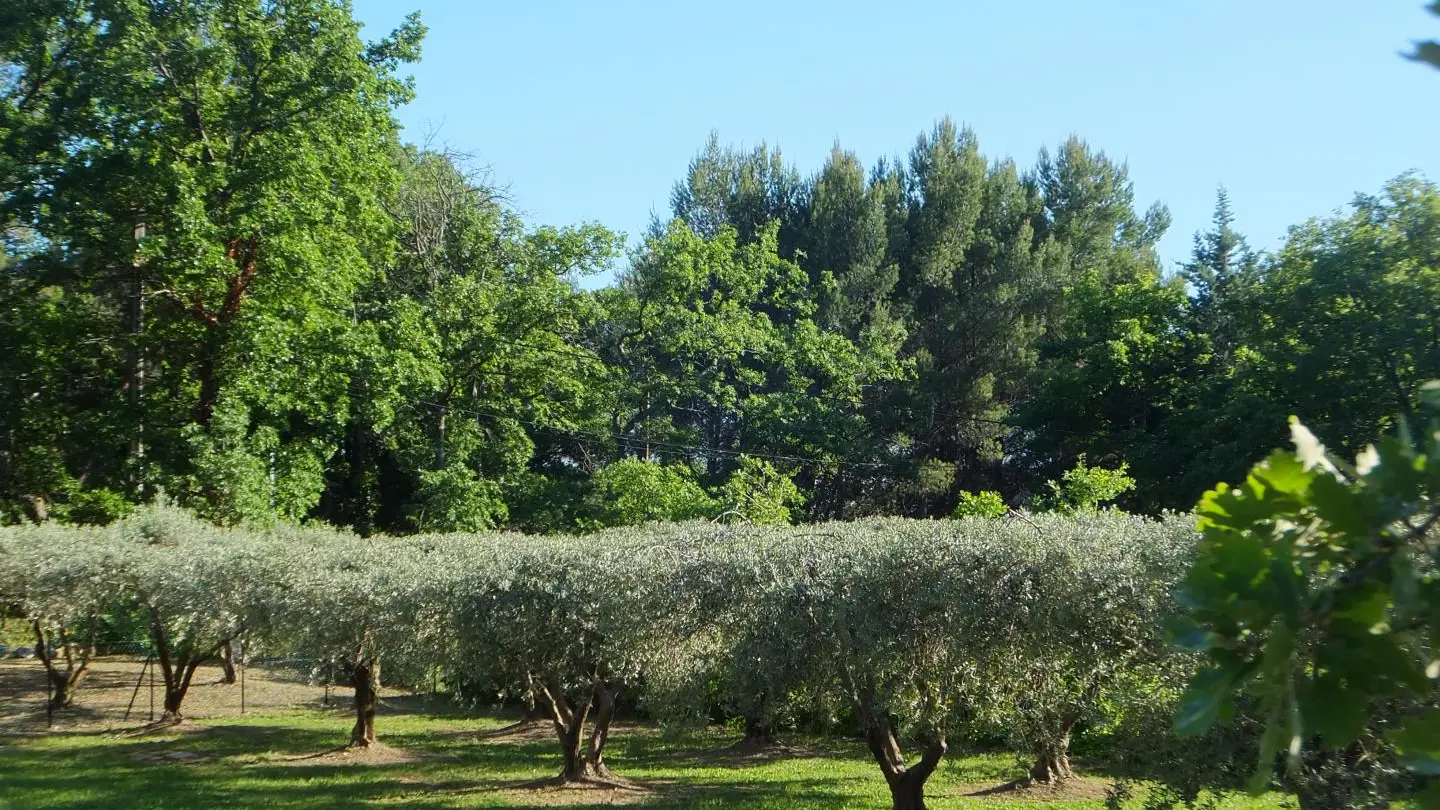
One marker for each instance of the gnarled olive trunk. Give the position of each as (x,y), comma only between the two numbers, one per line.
(1052,759)
(365,676)
(177,668)
(907,783)
(64,674)
(604,702)
(583,760)
(227,662)
(569,723)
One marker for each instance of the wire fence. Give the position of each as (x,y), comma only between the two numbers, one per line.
(123,685)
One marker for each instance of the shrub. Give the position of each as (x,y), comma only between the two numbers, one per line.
(983,504)
(1084,489)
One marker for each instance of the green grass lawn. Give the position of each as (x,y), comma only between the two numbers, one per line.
(288,760)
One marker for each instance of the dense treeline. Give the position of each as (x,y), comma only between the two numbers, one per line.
(1020,629)
(225,279)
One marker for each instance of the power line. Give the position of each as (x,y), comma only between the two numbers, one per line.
(590,356)
(669,445)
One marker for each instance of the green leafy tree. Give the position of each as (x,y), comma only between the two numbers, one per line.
(973,279)
(632,491)
(760,493)
(731,188)
(475,387)
(1313,592)
(717,354)
(211,175)
(845,236)
(1084,488)
(1350,303)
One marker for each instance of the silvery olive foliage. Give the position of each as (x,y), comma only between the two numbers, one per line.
(351,599)
(1087,595)
(62,583)
(925,631)
(197,588)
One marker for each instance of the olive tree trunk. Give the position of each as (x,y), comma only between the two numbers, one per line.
(227,662)
(907,783)
(569,722)
(65,674)
(365,676)
(584,759)
(603,700)
(1052,757)
(177,667)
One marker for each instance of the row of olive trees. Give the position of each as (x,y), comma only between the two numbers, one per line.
(921,631)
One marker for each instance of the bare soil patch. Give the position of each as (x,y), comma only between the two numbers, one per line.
(553,793)
(117,684)
(376,754)
(1073,789)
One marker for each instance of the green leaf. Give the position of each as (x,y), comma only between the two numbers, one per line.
(1346,510)
(1417,742)
(1187,635)
(1334,711)
(1209,691)
(1368,607)
(1283,472)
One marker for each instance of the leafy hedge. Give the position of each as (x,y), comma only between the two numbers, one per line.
(928,631)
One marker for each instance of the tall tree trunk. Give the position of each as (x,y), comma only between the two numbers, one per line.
(136,383)
(245,254)
(604,700)
(366,678)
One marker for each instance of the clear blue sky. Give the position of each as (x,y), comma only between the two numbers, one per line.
(592,110)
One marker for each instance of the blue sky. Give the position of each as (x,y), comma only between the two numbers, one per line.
(592,110)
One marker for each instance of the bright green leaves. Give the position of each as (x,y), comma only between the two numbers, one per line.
(983,504)
(631,491)
(1084,489)
(1306,593)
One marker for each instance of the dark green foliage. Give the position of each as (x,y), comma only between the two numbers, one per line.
(224,280)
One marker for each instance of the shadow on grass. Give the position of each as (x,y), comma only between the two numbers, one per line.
(285,763)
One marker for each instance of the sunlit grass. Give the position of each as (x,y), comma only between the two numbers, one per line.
(446,760)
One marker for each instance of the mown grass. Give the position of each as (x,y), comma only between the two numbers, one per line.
(454,761)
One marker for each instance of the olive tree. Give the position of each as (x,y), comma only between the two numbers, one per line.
(62,581)
(352,601)
(198,588)
(712,640)
(1086,595)
(900,620)
(559,617)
